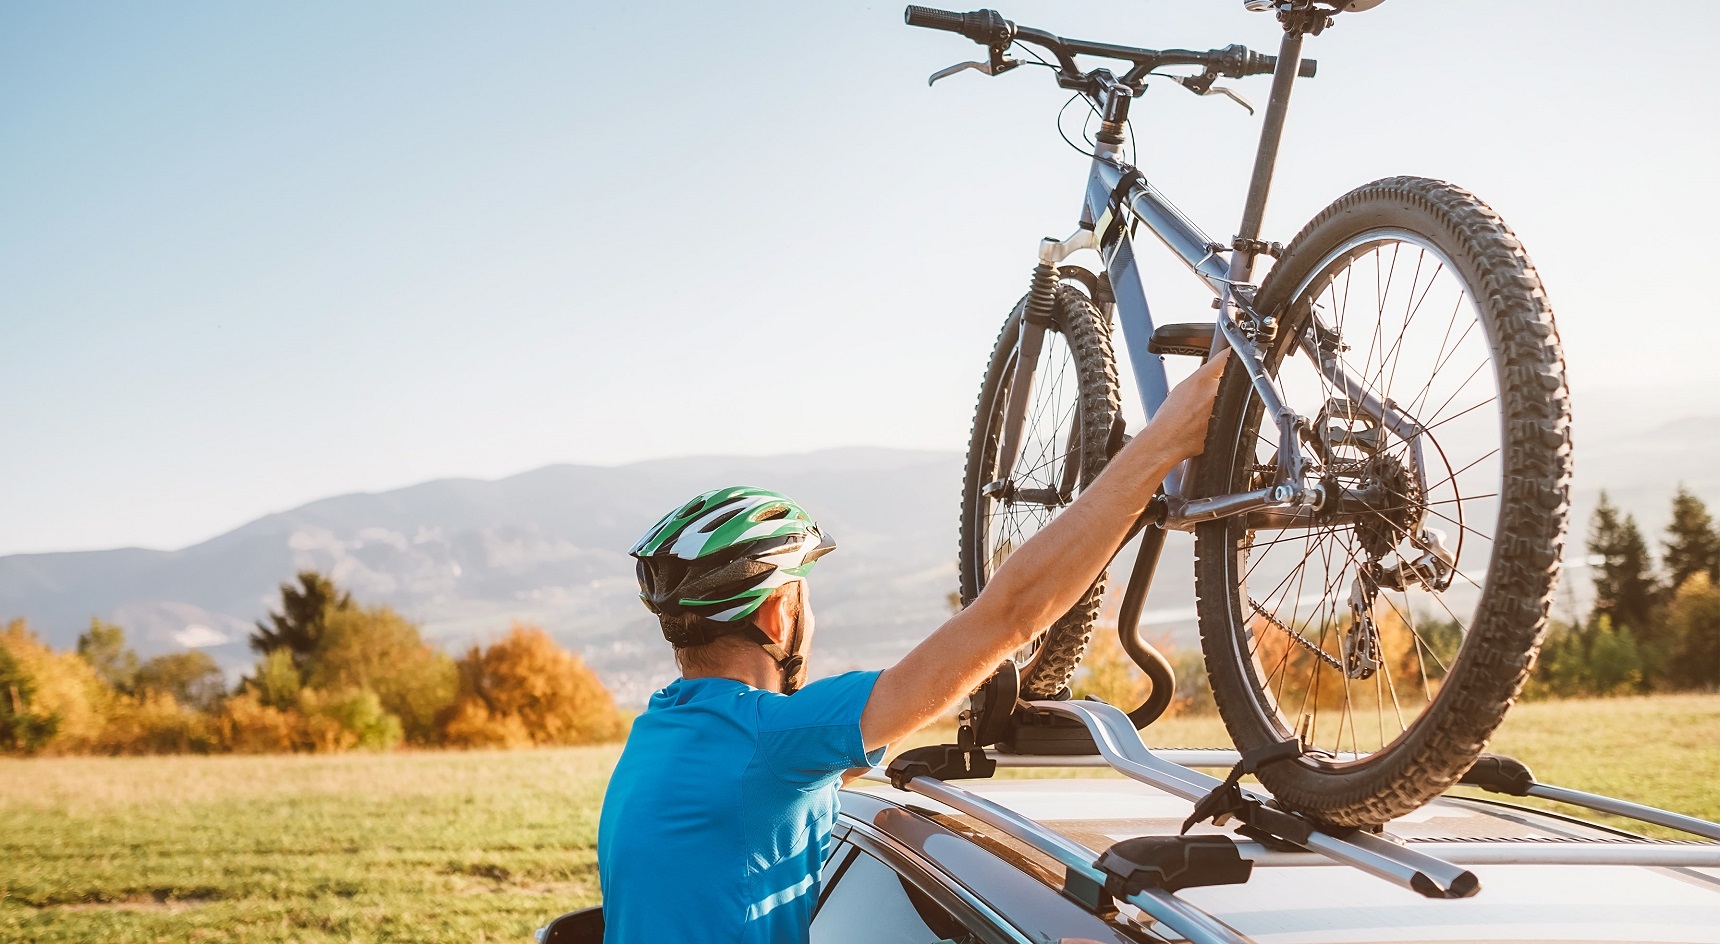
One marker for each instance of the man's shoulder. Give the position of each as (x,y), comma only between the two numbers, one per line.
(838,699)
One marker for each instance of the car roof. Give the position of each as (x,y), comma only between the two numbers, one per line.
(1303,899)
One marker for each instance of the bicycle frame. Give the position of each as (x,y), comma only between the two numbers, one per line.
(1118,201)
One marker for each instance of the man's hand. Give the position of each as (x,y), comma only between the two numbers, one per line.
(1045,575)
(1180,424)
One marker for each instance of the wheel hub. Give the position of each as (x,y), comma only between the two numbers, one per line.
(1393,505)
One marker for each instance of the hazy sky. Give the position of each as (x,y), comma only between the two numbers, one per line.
(252,255)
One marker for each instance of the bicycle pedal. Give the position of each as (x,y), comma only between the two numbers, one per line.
(1191,340)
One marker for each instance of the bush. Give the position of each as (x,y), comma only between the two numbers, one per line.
(379,651)
(248,724)
(1594,660)
(526,690)
(1108,674)
(57,703)
(341,721)
(154,722)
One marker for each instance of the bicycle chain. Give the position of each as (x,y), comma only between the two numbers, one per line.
(1296,637)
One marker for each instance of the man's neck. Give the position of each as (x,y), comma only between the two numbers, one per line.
(753,668)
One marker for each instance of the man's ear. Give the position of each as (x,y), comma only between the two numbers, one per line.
(775,617)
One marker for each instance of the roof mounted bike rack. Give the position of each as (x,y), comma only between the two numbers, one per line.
(1495,773)
(1095,877)
(1122,749)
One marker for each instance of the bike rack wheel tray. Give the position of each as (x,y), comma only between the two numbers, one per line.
(1147,872)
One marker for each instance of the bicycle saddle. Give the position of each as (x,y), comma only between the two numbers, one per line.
(1192,340)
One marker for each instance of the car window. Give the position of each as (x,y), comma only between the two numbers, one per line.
(870,902)
(834,864)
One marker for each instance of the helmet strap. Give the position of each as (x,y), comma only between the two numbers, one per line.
(790,661)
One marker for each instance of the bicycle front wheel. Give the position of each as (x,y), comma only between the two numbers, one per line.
(1071,408)
(1391,630)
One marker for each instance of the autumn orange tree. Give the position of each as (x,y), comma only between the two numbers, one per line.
(525,690)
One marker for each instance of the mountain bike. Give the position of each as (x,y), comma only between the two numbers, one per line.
(1381,506)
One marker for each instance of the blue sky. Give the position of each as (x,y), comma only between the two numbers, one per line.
(255,255)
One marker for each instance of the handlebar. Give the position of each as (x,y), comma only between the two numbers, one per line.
(989,28)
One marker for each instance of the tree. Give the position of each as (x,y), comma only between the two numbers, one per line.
(191,677)
(305,610)
(525,690)
(22,731)
(1692,547)
(103,647)
(1693,623)
(65,698)
(1625,588)
(276,681)
(1615,662)
(377,650)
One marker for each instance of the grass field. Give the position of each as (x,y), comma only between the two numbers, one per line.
(486,846)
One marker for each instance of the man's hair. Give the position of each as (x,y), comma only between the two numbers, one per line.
(713,655)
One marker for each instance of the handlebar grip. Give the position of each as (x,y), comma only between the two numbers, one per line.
(928,18)
(986,27)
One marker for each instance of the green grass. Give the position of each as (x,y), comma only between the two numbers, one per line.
(486,846)
(421,847)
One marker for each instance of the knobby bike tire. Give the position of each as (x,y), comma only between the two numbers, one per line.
(1495,657)
(1047,669)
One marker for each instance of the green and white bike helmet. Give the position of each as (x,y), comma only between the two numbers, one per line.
(720,555)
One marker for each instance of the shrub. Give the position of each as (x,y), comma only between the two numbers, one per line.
(248,724)
(342,721)
(1107,673)
(60,701)
(154,722)
(379,651)
(526,690)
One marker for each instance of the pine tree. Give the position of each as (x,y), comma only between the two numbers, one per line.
(1692,547)
(1625,589)
(303,619)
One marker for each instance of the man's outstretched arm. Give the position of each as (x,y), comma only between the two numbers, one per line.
(1045,575)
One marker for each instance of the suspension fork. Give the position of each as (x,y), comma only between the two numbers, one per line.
(1030,342)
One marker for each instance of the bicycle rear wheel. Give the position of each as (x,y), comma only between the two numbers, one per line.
(1063,448)
(1353,631)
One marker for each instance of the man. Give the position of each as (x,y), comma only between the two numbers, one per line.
(718,817)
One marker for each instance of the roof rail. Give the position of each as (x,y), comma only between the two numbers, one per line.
(1150,882)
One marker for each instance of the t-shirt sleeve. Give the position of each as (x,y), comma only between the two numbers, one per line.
(812,736)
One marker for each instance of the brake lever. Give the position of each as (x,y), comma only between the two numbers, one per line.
(1202,85)
(998,65)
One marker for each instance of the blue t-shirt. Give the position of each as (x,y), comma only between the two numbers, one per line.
(718,817)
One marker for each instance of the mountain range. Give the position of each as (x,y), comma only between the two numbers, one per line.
(465,558)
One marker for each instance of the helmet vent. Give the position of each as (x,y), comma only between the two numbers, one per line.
(771,514)
(720,520)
